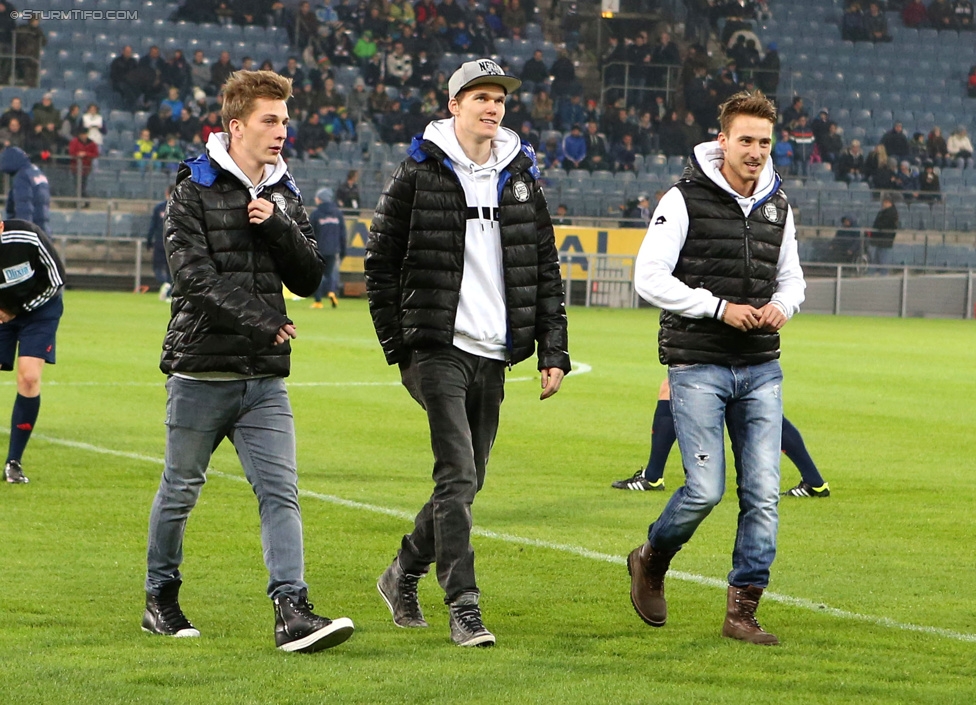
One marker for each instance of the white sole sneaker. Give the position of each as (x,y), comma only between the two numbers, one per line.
(325,638)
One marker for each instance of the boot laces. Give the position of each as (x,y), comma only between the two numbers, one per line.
(407,587)
(172,616)
(469,617)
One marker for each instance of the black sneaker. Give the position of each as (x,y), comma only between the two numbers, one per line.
(14,473)
(399,591)
(163,614)
(466,626)
(806,490)
(297,628)
(637,482)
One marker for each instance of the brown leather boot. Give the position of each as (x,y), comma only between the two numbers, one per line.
(647,568)
(740,616)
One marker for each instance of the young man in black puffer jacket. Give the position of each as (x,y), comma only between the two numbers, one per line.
(463,279)
(235,231)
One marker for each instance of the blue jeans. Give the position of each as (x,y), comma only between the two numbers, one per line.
(330,279)
(256,415)
(749,401)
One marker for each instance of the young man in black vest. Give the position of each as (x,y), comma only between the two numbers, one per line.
(463,280)
(720,260)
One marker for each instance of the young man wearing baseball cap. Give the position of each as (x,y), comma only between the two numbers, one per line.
(478,291)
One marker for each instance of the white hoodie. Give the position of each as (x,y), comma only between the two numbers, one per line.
(217,145)
(481,325)
(658,255)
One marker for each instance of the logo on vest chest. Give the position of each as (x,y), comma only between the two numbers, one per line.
(521,191)
(279,201)
(771,212)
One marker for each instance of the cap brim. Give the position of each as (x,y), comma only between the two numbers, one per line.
(509,83)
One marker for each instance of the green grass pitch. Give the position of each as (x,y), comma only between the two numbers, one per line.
(872,589)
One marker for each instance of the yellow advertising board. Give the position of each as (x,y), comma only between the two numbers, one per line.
(573,244)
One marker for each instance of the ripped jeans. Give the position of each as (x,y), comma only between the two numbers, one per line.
(704,398)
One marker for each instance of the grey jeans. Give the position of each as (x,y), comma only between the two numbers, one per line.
(256,415)
(462,394)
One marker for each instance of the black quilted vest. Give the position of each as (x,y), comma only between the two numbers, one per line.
(735,258)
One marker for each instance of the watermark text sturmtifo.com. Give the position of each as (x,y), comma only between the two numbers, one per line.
(54,15)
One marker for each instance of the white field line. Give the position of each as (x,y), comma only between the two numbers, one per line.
(798,602)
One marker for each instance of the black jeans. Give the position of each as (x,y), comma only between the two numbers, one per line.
(462,394)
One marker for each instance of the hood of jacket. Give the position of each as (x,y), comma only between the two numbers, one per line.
(710,158)
(13,159)
(217,145)
(504,148)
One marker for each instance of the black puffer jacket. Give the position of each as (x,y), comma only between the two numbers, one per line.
(227,274)
(415,260)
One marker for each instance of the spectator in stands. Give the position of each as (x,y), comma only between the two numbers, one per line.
(598,156)
(400,12)
(221,71)
(963,12)
(564,76)
(494,21)
(529,135)
(881,237)
(144,151)
(330,236)
(895,142)
(664,54)
(936,148)
(960,148)
(875,161)
(561,216)
(570,110)
(380,103)
(574,148)
(693,132)
(154,62)
(83,153)
(542,110)
(154,243)
(93,121)
(971,82)
(347,195)
(176,73)
(846,245)
(831,146)
(929,186)
(941,15)
(211,124)
(200,71)
(551,155)
(196,147)
(15,112)
(625,154)
(820,124)
(906,181)
(671,138)
(365,48)
(513,17)
(29,197)
(850,164)
(374,72)
(13,135)
(876,25)
(170,153)
(535,75)
(160,124)
(399,66)
(914,14)
(312,138)
(119,70)
(918,150)
(338,124)
(792,114)
(70,123)
(174,102)
(852,24)
(30,39)
(424,68)
(188,126)
(425,11)
(357,102)
(44,111)
(303,26)
(767,73)
(782,153)
(43,143)
(482,36)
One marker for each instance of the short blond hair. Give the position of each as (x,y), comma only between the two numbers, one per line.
(243,88)
(751,103)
